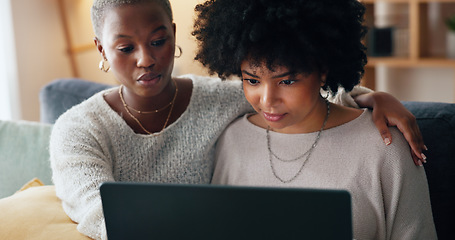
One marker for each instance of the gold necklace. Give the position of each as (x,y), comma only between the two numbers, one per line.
(137,120)
(149,112)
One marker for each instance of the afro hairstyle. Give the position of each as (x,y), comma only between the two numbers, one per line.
(302,35)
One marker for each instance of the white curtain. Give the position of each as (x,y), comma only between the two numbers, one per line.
(9,100)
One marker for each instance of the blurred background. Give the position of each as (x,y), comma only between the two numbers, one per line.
(409,44)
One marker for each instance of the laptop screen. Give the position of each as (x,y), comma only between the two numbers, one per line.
(179,211)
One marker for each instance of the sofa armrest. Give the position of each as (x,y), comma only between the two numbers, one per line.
(24,148)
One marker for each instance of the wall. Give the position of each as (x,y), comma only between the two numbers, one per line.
(40,50)
(417,84)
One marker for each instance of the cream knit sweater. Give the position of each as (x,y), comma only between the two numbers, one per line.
(389,193)
(91,144)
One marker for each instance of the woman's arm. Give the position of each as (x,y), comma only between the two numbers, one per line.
(388,111)
(79,167)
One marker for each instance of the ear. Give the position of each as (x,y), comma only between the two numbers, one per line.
(323,78)
(99,47)
(175,28)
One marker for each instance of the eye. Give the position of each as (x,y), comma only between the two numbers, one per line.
(126,49)
(158,43)
(288,82)
(251,82)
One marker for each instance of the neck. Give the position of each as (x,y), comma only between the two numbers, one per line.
(311,123)
(150,103)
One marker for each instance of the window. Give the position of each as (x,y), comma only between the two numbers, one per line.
(9,100)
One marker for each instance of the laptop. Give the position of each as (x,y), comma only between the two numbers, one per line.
(181,211)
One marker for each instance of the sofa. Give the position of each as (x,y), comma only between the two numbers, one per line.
(24,164)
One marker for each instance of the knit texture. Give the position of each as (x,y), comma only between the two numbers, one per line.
(91,144)
(389,193)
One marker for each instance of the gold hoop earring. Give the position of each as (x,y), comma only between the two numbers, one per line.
(102,67)
(180,52)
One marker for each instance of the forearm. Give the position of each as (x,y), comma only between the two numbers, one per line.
(78,168)
(348,99)
(76,185)
(369,100)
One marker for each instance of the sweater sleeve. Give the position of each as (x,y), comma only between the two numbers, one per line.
(405,195)
(347,98)
(80,164)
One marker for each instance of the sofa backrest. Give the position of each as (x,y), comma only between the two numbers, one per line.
(437,124)
(24,154)
(61,94)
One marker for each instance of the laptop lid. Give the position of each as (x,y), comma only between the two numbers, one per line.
(179,211)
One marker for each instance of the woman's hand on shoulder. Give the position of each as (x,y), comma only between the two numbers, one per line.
(389,111)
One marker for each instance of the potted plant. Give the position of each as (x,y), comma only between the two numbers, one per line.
(450,23)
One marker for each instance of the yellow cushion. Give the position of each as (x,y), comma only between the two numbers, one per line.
(35,182)
(35,212)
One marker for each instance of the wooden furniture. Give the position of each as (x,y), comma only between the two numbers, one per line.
(71,48)
(418,55)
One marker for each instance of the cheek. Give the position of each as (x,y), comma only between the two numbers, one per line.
(118,65)
(114,58)
(250,95)
(166,57)
(302,97)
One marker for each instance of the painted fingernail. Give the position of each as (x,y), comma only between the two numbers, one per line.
(424,158)
(420,163)
(425,147)
(387,141)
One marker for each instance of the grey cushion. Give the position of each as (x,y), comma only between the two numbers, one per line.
(61,94)
(437,124)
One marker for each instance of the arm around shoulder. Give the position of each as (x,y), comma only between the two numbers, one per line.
(348,99)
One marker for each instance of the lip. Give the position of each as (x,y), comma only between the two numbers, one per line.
(272,117)
(149,79)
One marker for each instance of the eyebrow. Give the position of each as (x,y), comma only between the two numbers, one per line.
(277,76)
(162,27)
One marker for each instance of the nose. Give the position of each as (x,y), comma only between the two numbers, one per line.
(270,97)
(145,58)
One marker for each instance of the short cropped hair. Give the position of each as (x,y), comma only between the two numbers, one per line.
(100,7)
(302,35)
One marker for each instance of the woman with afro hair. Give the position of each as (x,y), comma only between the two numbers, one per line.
(287,52)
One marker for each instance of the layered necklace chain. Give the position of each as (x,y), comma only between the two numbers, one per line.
(307,153)
(127,108)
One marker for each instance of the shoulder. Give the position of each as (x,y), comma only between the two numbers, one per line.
(340,115)
(241,130)
(396,153)
(86,115)
(92,104)
(214,94)
(362,132)
(206,84)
